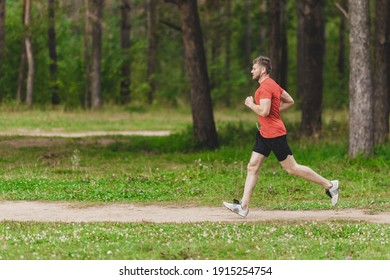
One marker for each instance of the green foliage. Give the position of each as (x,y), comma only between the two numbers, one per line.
(170,77)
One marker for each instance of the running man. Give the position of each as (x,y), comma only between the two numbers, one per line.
(269,100)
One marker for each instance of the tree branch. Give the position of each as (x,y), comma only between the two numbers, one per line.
(171,25)
(342,10)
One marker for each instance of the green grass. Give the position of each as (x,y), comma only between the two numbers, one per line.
(171,170)
(214,241)
(142,169)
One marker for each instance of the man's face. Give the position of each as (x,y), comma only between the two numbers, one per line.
(256,71)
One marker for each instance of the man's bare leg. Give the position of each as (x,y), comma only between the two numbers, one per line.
(292,167)
(253,168)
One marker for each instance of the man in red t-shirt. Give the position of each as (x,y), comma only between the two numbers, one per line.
(270,99)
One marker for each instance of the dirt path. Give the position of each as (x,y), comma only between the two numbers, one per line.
(63,134)
(114,212)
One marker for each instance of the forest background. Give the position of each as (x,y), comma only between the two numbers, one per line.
(90,53)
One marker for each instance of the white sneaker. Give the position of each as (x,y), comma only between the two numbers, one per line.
(236,208)
(333,192)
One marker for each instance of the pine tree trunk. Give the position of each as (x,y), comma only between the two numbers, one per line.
(125,46)
(22,64)
(228,39)
(381,82)
(29,53)
(55,99)
(263,28)
(97,18)
(202,113)
(283,47)
(361,120)
(2,29)
(248,35)
(152,48)
(274,38)
(341,52)
(87,55)
(311,67)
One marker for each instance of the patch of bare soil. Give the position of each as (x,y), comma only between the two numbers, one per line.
(43,211)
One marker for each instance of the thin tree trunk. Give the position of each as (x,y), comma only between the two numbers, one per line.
(22,64)
(300,52)
(381,57)
(361,120)
(2,29)
(202,113)
(125,45)
(29,53)
(152,48)
(341,54)
(248,35)
(87,56)
(283,46)
(228,38)
(263,28)
(274,38)
(55,99)
(97,18)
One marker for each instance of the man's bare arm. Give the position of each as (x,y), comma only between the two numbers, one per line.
(286,101)
(262,109)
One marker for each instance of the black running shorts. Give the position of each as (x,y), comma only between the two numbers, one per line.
(278,145)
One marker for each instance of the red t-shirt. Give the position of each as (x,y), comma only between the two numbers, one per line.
(271,126)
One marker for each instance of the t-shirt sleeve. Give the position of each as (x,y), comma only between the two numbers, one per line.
(266,93)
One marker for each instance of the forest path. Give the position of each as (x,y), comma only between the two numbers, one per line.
(44,211)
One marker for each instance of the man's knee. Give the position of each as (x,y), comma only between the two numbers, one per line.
(253,166)
(292,170)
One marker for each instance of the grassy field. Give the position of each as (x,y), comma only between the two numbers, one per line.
(170,170)
(205,241)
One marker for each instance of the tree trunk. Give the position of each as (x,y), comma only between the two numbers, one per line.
(2,29)
(361,121)
(312,51)
(274,38)
(22,65)
(263,28)
(125,46)
(341,54)
(381,82)
(300,52)
(202,113)
(152,48)
(55,99)
(248,35)
(228,39)
(283,45)
(214,36)
(29,53)
(97,18)
(87,56)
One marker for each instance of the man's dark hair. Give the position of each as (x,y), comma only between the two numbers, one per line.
(265,62)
